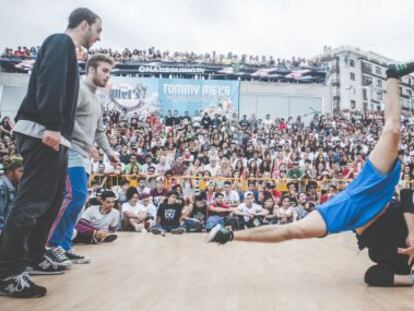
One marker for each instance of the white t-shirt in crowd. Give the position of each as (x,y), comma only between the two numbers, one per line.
(232,197)
(252,210)
(99,220)
(161,169)
(150,209)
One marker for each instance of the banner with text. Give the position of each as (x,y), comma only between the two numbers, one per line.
(148,95)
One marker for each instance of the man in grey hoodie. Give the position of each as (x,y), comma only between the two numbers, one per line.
(88,128)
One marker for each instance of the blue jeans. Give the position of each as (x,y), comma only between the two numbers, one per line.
(212,221)
(166,228)
(76,192)
(193,226)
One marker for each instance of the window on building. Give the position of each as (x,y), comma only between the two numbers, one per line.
(409,93)
(352,76)
(379,95)
(366,80)
(351,63)
(364,94)
(379,83)
(367,67)
(378,70)
(353,104)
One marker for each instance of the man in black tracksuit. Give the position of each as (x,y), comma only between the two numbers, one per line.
(391,231)
(44,125)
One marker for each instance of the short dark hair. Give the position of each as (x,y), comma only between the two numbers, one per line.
(107,194)
(172,192)
(81,14)
(97,58)
(218,194)
(130,192)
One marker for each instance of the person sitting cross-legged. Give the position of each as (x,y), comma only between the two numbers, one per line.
(169,216)
(138,216)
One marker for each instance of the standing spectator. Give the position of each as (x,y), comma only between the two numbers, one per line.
(89,128)
(43,130)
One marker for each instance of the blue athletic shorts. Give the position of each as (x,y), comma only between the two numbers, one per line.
(362,200)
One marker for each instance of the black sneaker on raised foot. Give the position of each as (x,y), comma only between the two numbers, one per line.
(45,267)
(77,258)
(21,286)
(177,231)
(397,70)
(220,235)
(57,255)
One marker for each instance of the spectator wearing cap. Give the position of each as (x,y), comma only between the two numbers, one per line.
(169,216)
(13,166)
(251,214)
(252,189)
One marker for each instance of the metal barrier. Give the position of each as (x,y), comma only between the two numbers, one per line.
(238,183)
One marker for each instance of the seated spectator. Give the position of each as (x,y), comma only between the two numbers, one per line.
(332,191)
(219,213)
(195,215)
(159,193)
(271,206)
(230,197)
(13,166)
(142,186)
(99,222)
(284,213)
(138,217)
(300,210)
(169,216)
(251,214)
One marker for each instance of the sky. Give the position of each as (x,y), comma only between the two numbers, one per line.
(278,28)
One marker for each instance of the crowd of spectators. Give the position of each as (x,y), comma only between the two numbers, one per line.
(153,55)
(188,173)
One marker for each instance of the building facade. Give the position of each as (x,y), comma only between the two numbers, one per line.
(358,80)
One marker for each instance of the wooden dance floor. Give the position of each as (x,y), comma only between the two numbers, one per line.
(147,272)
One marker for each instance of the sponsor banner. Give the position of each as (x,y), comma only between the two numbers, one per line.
(152,95)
